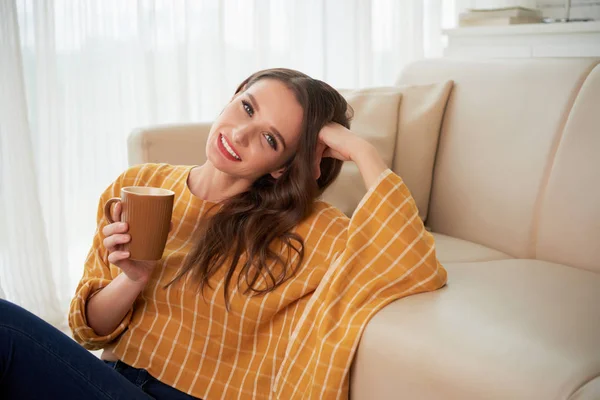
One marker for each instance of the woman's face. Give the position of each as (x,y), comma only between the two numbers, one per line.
(257,132)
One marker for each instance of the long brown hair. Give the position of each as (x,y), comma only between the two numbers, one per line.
(259,223)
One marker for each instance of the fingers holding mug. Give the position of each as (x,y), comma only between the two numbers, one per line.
(113,214)
(115,233)
(114,241)
(117,256)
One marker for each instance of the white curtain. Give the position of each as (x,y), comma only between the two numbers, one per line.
(78,76)
(25,260)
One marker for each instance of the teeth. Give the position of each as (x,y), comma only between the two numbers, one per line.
(229,149)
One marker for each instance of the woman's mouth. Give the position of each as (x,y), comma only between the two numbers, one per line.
(227,149)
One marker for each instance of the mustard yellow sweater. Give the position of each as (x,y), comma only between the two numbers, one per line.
(294,343)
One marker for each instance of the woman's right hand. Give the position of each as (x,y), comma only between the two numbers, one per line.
(115,235)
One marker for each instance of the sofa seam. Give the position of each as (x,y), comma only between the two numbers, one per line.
(437,149)
(545,181)
(397,130)
(583,384)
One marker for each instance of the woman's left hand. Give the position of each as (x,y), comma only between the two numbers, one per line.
(336,141)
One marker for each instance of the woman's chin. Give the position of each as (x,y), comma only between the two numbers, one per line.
(220,163)
(229,167)
(217,161)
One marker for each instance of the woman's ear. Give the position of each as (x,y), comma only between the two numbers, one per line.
(277,174)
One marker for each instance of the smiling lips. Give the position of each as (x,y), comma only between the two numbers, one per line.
(227,149)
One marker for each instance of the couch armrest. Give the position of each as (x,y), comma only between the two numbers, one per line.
(173,144)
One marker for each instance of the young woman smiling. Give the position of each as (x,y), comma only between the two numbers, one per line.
(263,290)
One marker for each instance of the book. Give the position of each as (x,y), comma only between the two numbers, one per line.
(499,21)
(502,12)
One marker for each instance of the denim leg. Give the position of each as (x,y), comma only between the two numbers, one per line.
(159,390)
(37,361)
(151,385)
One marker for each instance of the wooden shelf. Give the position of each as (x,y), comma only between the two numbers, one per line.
(526,29)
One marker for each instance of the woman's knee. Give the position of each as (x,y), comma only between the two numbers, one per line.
(14,316)
(9,310)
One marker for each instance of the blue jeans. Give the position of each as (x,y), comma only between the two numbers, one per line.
(37,361)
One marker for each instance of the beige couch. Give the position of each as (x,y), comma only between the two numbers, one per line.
(515,209)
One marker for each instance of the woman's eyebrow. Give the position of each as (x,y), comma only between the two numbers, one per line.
(253,101)
(275,131)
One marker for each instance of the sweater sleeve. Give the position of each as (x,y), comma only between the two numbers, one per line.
(387,254)
(97,274)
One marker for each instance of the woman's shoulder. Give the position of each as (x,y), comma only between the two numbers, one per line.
(154,174)
(325,216)
(324,208)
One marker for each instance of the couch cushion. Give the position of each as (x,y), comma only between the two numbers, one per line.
(419,120)
(451,250)
(375,119)
(508,329)
(501,129)
(404,124)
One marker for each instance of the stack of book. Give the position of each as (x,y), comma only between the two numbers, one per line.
(500,16)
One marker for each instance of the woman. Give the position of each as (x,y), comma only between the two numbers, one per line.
(262,291)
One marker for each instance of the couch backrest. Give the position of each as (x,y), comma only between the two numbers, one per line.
(518,163)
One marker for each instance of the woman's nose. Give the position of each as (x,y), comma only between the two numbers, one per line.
(242,134)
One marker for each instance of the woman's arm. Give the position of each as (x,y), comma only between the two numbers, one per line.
(108,306)
(386,254)
(370,164)
(104,297)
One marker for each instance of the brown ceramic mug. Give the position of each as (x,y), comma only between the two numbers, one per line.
(147,211)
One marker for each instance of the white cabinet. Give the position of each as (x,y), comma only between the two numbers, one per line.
(572,39)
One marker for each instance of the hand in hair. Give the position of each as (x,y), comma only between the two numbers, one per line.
(336,141)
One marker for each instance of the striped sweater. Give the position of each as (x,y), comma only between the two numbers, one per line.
(296,342)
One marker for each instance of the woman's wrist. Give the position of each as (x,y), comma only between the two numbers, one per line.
(137,283)
(369,162)
(107,308)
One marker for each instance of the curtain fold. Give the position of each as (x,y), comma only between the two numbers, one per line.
(77,77)
(25,259)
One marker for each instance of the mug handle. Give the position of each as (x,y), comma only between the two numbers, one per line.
(107,208)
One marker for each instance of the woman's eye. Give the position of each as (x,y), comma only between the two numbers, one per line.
(248,108)
(271,140)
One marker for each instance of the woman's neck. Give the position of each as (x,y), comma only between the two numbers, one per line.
(210,184)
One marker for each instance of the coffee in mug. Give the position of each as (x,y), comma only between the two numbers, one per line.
(147,211)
